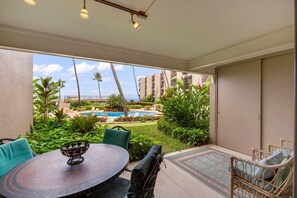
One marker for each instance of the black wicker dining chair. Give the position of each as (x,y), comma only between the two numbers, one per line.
(142,182)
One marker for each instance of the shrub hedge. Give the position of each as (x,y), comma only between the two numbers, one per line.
(137,118)
(99,107)
(50,135)
(88,108)
(74,104)
(134,106)
(145,103)
(139,146)
(190,136)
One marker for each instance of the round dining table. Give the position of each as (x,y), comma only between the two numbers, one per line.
(49,175)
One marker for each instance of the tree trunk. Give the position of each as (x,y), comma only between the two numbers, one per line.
(186,83)
(76,77)
(99,89)
(119,88)
(137,91)
(166,79)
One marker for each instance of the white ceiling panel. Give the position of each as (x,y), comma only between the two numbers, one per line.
(174,28)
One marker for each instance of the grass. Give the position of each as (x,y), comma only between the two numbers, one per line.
(150,129)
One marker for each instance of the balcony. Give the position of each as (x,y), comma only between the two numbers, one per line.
(173,75)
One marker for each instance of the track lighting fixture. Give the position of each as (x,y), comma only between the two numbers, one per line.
(85,15)
(84,12)
(30,2)
(135,24)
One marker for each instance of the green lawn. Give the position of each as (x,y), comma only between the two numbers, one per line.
(150,129)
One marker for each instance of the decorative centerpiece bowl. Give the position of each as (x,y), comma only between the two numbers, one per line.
(74,150)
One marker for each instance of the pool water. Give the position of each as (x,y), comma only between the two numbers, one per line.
(119,114)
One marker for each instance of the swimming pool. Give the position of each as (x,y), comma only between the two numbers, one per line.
(119,114)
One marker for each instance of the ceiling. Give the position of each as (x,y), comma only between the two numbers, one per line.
(183,35)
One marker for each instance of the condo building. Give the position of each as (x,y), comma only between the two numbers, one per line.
(157,84)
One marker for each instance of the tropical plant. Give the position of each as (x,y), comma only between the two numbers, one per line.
(44,96)
(149,98)
(84,124)
(123,101)
(77,83)
(35,81)
(60,115)
(50,135)
(139,146)
(114,103)
(187,109)
(98,78)
(61,84)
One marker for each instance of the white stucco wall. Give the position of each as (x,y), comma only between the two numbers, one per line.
(16,110)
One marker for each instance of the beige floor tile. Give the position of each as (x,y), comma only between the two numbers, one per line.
(173,182)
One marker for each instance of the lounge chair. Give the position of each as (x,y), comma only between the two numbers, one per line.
(268,174)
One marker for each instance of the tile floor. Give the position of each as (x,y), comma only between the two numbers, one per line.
(173,182)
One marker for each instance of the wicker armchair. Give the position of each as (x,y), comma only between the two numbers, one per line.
(287,143)
(255,178)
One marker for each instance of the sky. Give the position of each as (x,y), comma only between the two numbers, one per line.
(62,68)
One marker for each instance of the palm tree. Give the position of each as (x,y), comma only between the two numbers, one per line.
(76,77)
(60,84)
(98,77)
(166,78)
(137,91)
(119,88)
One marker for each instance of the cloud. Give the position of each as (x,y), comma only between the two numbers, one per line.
(119,67)
(102,66)
(106,79)
(81,68)
(47,69)
(72,79)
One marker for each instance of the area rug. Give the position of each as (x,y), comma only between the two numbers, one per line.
(208,166)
